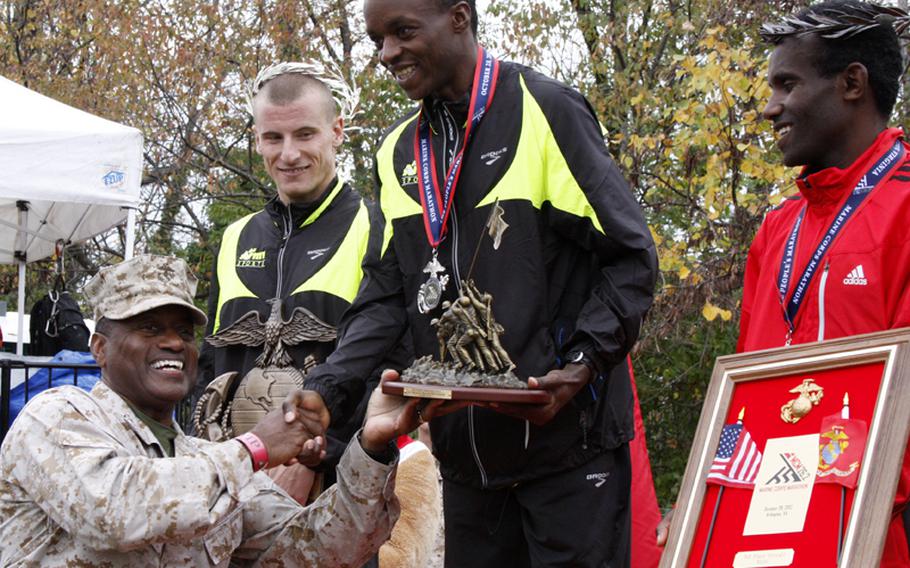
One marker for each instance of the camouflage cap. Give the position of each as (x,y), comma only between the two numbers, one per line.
(141,284)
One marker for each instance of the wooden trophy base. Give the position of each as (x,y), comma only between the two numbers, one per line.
(475,394)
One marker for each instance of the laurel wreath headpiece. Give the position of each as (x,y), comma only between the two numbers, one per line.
(839,24)
(345,93)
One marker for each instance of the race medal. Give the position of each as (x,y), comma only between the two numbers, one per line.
(430,292)
(436,198)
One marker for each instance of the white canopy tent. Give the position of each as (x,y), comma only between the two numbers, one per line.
(66,174)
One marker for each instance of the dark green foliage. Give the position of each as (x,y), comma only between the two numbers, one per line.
(672,377)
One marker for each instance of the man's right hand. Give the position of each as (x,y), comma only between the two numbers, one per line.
(390,416)
(295,433)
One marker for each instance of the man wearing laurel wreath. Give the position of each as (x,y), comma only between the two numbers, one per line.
(570,265)
(284,275)
(835,256)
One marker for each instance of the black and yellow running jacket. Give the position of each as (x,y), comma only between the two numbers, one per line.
(308,255)
(575,269)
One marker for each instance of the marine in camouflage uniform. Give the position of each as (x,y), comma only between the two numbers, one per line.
(99,479)
(85,482)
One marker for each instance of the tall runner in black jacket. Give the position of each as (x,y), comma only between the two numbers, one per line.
(571,279)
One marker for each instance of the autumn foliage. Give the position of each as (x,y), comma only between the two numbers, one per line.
(678,86)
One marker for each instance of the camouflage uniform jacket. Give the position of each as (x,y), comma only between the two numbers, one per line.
(83,483)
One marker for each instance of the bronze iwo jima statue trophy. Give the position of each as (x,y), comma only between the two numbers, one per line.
(218,415)
(472,363)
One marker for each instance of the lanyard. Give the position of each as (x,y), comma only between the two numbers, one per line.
(436,206)
(862,190)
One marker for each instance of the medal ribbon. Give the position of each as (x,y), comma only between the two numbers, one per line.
(862,190)
(436,205)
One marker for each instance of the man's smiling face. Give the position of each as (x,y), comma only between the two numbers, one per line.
(416,42)
(149,359)
(297,142)
(806,108)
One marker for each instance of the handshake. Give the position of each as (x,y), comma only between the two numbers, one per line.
(295,433)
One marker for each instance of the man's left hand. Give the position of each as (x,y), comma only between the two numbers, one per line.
(561,384)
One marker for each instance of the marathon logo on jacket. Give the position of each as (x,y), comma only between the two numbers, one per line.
(409,174)
(251,258)
(857,277)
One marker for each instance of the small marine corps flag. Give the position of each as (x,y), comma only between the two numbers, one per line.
(841,445)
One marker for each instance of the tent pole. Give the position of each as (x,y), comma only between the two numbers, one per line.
(20,337)
(20,257)
(130,234)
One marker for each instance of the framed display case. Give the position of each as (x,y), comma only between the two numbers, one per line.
(797,456)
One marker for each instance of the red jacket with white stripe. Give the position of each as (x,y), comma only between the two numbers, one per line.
(863,285)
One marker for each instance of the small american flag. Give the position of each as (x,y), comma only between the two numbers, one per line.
(737,459)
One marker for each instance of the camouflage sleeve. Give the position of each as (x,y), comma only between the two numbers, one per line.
(344,527)
(88,483)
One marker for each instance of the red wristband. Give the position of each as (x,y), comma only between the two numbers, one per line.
(258,452)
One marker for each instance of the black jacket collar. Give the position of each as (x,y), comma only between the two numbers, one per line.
(300,212)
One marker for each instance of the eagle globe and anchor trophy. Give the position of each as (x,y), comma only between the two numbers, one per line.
(472,363)
(219,415)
